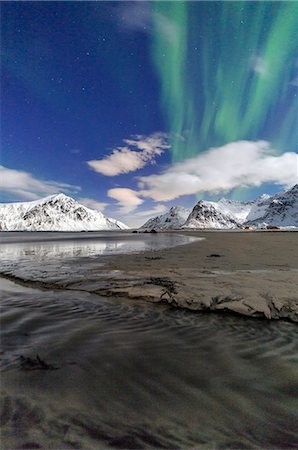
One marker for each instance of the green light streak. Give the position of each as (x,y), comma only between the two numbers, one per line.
(169,50)
(238,83)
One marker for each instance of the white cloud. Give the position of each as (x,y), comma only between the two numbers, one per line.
(128,199)
(22,185)
(137,219)
(158,209)
(137,153)
(92,204)
(120,161)
(238,164)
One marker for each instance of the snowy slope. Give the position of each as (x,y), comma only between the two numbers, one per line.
(258,208)
(173,219)
(209,215)
(280,210)
(238,210)
(54,213)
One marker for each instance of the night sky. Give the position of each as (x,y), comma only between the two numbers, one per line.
(132,107)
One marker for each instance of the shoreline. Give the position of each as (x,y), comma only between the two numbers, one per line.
(251,274)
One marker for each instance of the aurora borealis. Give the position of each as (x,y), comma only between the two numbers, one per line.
(138,88)
(226,71)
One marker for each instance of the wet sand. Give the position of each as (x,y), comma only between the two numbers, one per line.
(135,375)
(249,273)
(122,372)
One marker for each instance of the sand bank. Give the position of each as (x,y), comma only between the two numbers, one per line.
(250,273)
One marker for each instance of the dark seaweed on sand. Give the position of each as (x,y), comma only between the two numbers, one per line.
(37,363)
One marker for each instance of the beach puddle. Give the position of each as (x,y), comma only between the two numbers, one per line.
(71,256)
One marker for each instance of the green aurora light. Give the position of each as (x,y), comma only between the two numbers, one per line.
(225,75)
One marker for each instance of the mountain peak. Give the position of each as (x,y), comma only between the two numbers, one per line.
(208,215)
(60,196)
(57,212)
(279,210)
(172,219)
(294,189)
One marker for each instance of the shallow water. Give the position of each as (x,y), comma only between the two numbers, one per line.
(138,375)
(53,256)
(88,244)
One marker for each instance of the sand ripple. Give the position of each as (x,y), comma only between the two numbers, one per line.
(132,375)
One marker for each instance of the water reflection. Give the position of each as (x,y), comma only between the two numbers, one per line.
(68,245)
(63,249)
(69,257)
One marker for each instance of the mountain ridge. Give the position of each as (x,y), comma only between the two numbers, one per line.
(60,212)
(175,217)
(57,212)
(279,210)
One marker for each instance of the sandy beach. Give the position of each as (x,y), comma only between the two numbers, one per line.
(135,374)
(250,273)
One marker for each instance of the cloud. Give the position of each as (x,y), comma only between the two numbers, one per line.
(158,209)
(238,164)
(92,204)
(22,185)
(137,219)
(137,153)
(128,199)
(120,161)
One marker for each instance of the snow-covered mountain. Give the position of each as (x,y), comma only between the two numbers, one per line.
(54,213)
(237,210)
(173,219)
(279,210)
(209,215)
